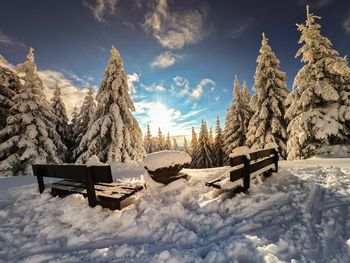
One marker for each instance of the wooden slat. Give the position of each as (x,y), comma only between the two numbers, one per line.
(211,183)
(101,174)
(70,183)
(261,164)
(237,174)
(237,160)
(74,172)
(261,154)
(72,189)
(77,172)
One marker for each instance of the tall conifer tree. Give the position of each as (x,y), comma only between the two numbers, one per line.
(114,134)
(267,124)
(319,105)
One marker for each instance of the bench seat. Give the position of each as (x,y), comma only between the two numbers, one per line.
(95,183)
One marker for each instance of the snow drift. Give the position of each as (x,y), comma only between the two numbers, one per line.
(299,215)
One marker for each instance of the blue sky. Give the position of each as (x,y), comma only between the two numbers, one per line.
(181,56)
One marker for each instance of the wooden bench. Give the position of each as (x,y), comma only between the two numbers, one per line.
(94,182)
(260,162)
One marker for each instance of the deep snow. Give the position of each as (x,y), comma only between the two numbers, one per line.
(301,214)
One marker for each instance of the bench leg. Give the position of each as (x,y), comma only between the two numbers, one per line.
(90,190)
(41,183)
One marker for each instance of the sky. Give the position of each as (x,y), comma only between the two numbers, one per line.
(180,56)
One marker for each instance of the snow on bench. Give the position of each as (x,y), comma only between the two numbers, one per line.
(93,180)
(246,165)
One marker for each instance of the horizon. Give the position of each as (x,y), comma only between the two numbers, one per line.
(186,74)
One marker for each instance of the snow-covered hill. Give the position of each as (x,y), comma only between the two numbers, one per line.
(301,214)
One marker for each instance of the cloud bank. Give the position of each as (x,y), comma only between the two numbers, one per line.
(173,29)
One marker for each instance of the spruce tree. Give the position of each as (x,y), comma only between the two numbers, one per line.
(267,124)
(168,145)
(114,134)
(194,141)
(246,94)
(175,146)
(85,116)
(211,136)
(9,87)
(202,156)
(29,136)
(318,107)
(73,123)
(61,123)
(237,119)
(186,146)
(218,145)
(159,141)
(148,141)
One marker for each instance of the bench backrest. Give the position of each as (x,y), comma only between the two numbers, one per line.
(101,174)
(258,161)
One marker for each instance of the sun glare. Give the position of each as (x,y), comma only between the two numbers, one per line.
(160,117)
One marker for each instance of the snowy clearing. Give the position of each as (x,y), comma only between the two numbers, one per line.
(301,214)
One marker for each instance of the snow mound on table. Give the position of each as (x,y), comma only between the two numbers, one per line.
(166,159)
(239,151)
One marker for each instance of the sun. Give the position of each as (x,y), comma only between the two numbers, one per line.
(160,116)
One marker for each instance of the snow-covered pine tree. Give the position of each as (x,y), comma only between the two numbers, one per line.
(85,116)
(237,119)
(148,141)
(9,87)
(186,146)
(218,145)
(211,136)
(168,145)
(175,146)
(74,116)
(202,156)
(61,123)
(159,141)
(29,136)
(194,141)
(319,106)
(246,94)
(267,124)
(74,121)
(114,133)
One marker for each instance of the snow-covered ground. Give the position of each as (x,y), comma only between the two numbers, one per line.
(301,214)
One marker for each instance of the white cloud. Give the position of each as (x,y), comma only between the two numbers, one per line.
(175,29)
(71,94)
(198,91)
(191,114)
(101,7)
(154,87)
(132,80)
(185,90)
(346,24)
(164,60)
(6,40)
(183,84)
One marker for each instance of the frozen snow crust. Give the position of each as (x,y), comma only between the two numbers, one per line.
(166,159)
(299,215)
